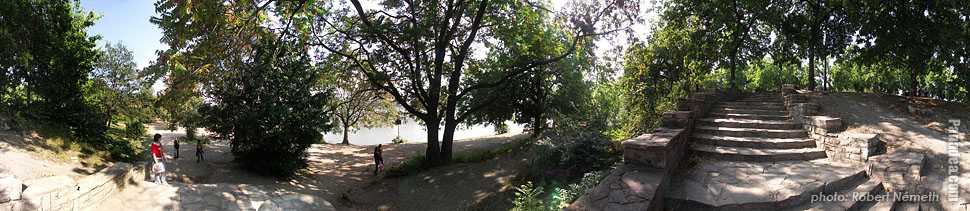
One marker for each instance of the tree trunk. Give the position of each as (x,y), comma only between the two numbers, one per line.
(346,140)
(825,74)
(811,70)
(537,124)
(447,140)
(913,84)
(433,152)
(736,36)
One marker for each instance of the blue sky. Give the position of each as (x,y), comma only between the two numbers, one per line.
(127,21)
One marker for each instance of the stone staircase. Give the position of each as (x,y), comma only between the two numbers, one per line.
(755,127)
(750,155)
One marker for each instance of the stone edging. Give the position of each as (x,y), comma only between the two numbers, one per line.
(84,194)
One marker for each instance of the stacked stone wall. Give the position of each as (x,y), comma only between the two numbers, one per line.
(84,194)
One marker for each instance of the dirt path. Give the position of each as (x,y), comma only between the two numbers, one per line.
(465,186)
(334,169)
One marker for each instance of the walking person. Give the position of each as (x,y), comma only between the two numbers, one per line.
(378,158)
(199,153)
(176,148)
(159,158)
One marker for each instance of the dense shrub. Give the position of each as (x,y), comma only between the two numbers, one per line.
(272,110)
(501,128)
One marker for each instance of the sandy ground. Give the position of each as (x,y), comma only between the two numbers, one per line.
(465,186)
(335,169)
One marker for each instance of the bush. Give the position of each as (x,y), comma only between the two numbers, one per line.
(527,198)
(270,136)
(501,128)
(530,197)
(190,131)
(398,140)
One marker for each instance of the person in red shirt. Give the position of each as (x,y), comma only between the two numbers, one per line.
(159,158)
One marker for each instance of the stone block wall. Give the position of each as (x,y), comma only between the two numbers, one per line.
(84,194)
(658,149)
(850,148)
(900,172)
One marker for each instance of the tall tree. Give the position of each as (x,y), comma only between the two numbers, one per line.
(539,91)
(360,105)
(909,34)
(738,28)
(818,29)
(122,89)
(424,69)
(47,52)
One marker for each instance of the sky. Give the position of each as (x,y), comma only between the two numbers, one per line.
(126,21)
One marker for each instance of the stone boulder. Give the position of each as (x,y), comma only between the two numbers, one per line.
(296,202)
(10,188)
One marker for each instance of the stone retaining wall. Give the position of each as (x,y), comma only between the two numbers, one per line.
(84,194)
(854,149)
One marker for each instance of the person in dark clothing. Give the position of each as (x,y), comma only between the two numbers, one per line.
(378,158)
(199,153)
(176,148)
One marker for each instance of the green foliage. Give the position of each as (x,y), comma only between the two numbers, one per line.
(766,75)
(361,105)
(530,197)
(527,198)
(56,77)
(912,35)
(398,140)
(501,128)
(273,109)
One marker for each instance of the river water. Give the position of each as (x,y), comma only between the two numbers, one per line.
(412,132)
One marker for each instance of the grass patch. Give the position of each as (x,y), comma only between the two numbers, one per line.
(484,155)
(419,163)
(57,144)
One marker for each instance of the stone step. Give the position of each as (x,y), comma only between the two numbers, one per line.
(847,199)
(753,142)
(748,116)
(752,132)
(749,123)
(763,100)
(750,111)
(737,185)
(749,107)
(761,96)
(776,104)
(884,205)
(906,206)
(755,154)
